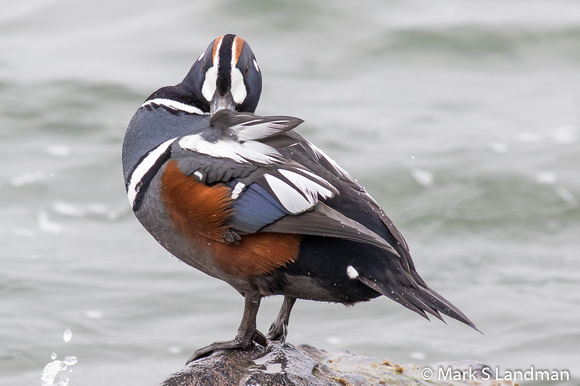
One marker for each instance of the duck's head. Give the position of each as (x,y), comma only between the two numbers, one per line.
(226,76)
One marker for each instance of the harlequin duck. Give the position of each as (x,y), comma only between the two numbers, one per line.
(247,200)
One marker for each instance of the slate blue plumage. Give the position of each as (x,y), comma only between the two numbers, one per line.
(255,209)
(246,199)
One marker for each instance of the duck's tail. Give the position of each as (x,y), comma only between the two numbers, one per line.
(420,299)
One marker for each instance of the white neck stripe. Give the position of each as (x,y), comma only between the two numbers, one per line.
(143,167)
(174,105)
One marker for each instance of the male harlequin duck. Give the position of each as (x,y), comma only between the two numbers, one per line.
(247,200)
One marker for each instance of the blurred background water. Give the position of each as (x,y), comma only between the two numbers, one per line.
(460,118)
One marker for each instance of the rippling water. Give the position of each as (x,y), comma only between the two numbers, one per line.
(461,119)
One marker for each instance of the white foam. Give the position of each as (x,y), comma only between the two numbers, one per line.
(567,196)
(422,177)
(47,225)
(334,340)
(565,134)
(546,178)
(67,335)
(529,137)
(499,147)
(28,179)
(93,314)
(417,355)
(59,150)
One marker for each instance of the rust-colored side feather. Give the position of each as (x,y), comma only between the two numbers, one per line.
(195,208)
(257,254)
(199,212)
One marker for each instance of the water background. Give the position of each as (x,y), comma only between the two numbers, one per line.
(460,118)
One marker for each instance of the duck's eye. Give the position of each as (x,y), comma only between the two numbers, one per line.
(247,69)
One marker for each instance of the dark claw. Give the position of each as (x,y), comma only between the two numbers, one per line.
(207,350)
(279,329)
(228,345)
(277,332)
(260,339)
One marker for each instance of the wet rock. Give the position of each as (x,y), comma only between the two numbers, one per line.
(284,364)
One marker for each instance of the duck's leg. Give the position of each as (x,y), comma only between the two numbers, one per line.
(279,328)
(247,333)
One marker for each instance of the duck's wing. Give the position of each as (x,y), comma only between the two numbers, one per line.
(317,159)
(277,181)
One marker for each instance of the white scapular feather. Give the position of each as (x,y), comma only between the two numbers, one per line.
(310,188)
(246,152)
(252,130)
(290,198)
(314,176)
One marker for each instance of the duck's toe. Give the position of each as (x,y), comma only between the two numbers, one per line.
(238,343)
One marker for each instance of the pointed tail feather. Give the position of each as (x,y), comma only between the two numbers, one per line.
(445,307)
(421,300)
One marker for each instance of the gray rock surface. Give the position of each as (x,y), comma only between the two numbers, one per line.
(285,364)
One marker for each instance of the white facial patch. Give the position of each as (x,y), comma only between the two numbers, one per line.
(351,272)
(238,88)
(256,65)
(209,84)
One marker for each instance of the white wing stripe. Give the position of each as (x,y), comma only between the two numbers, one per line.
(300,198)
(314,176)
(310,188)
(291,200)
(174,105)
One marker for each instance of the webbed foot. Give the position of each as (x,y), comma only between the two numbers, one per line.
(234,344)
(247,333)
